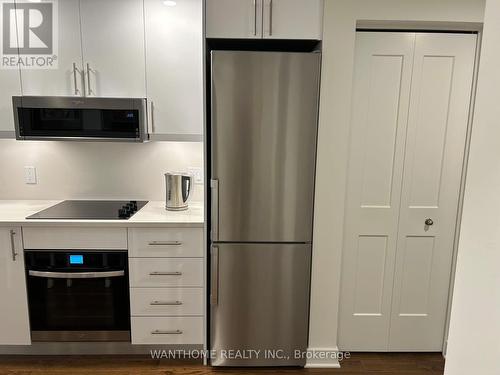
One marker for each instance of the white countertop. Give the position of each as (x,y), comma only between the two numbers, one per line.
(14,212)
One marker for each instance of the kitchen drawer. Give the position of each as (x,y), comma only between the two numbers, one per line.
(75,238)
(167,330)
(166,301)
(166,272)
(168,242)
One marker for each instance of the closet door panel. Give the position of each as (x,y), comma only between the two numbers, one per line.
(436,140)
(382,78)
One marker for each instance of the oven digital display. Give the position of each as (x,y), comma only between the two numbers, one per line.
(76,259)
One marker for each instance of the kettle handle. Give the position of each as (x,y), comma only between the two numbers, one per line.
(187,187)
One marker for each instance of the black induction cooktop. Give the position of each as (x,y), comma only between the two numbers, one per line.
(90,210)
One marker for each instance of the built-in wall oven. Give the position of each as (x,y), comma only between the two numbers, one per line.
(78,295)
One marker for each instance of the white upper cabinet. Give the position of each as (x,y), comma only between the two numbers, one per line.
(113,47)
(14,320)
(268,19)
(237,19)
(64,77)
(174,55)
(10,86)
(293,19)
(98,51)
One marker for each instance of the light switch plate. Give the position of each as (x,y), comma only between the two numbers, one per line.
(197,173)
(30,175)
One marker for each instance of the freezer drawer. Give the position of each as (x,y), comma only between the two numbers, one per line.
(260,301)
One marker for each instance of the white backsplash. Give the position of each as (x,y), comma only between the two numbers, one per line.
(93,170)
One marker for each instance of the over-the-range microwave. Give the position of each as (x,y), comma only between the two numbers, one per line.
(80,118)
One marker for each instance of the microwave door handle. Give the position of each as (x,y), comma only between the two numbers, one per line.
(76,275)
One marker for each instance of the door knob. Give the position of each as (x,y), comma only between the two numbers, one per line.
(429,222)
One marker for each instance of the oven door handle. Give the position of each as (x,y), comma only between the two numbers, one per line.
(75,275)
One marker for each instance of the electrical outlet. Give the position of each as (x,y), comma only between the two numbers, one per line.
(30,175)
(197,173)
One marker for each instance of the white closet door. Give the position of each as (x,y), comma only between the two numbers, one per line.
(381,91)
(438,117)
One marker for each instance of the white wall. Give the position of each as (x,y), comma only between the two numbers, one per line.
(338,53)
(86,170)
(474,338)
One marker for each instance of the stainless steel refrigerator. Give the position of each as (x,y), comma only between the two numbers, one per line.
(264,115)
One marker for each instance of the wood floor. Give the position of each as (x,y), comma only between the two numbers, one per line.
(358,364)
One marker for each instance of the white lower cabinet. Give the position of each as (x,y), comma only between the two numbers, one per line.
(166,285)
(159,243)
(167,330)
(75,238)
(166,301)
(14,320)
(166,272)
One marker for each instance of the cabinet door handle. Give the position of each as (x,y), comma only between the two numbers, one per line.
(160,332)
(255,17)
(89,88)
(165,243)
(166,303)
(270,17)
(75,79)
(214,230)
(153,125)
(214,276)
(176,273)
(13,245)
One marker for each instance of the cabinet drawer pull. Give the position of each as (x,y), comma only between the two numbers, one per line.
(166,303)
(160,332)
(176,273)
(165,243)
(13,245)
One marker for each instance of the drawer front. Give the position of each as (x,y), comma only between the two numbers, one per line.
(167,330)
(69,238)
(168,242)
(166,301)
(166,272)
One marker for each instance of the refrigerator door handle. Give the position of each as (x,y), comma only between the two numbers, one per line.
(214,278)
(214,185)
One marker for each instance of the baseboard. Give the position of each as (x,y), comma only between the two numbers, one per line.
(322,358)
(90,348)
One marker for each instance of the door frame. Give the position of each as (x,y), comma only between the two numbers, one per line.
(441,27)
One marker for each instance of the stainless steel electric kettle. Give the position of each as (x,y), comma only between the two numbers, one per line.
(178,188)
